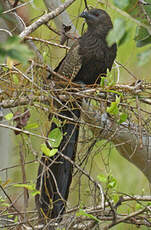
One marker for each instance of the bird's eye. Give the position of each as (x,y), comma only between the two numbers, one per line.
(96,14)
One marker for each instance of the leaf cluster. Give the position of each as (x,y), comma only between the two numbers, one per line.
(14,49)
(139,12)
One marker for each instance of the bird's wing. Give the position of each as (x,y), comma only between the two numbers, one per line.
(72,63)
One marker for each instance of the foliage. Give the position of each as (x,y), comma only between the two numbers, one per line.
(30,187)
(47,151)
(55,137)
(118,32)
(15,50)
(99,167)
(122,27)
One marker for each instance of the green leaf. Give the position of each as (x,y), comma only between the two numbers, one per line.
(53,152)
(149,203)
(14,49)
(5,69)
(56,121)
(133,7)
(9,116)
(113,109)
(48,152)
(15,79)
(5,204)
(33,125)
(118,31)
(95,103)
(16,219)
(27,186)
(116,92)
(45,150)
(1,199)
(102,83)
(56,137)
(35,192)
(144,42)
(138,206)
(143,192)
(30,187)
(109,180)
(122,4)
(112,182)
(148,8)
(83,213)
(123,118)
(118,99)
(115,198)
(141,33)
(144,57)
(102,178)
(142,37)
(45,56)
(10,216)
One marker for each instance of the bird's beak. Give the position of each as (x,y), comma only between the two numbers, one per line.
(84,14)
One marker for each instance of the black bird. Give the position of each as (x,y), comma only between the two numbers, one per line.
(88,58)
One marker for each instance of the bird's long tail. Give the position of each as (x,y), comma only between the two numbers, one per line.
(55,173)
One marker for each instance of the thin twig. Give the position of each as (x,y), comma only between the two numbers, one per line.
(25,132)
(45,18)
(139,122)
(26,195)
(124,219)
(46,42)
(86,5)
(17,7)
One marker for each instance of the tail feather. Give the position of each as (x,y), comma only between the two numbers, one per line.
(55,173)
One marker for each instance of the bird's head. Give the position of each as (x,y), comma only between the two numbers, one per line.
(97,19)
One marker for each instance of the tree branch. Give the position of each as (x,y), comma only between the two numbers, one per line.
(126,138)
(45,18)
(62,18)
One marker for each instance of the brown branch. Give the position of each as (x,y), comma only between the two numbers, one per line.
(12,205)
(46,42)
(139,122)
(15,166)
(98,185)
(45,18)
(124,67)
(24,131)
(116,222)
(24,101)
(26,195)
(15,7)
(11,202)
(77,91)
(145,100)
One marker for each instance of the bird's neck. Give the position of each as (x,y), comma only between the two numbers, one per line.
(93,38)
(98,32)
